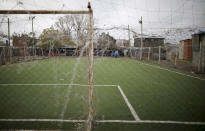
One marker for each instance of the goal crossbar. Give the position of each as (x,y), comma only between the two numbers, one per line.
(44,12)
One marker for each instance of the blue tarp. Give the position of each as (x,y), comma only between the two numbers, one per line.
(200,32)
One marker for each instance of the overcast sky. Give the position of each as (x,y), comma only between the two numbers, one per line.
(160,17)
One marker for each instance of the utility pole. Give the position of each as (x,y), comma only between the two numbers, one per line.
(129,40)
(32,33)
(9,32)
(141,39)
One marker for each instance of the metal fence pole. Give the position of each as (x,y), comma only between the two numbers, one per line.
(159,54)
(149,53)
(199,61)
(175,62)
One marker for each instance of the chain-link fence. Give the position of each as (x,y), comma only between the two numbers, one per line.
(50,85)
(182,57)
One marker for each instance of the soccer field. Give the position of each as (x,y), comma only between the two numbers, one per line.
(128,95)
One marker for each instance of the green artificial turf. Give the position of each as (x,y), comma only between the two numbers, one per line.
(155,94)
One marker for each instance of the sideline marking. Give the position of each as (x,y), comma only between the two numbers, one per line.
(155,66)
(128,104)
(104,121)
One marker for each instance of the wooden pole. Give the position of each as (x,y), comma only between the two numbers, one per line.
(42,12)
(90,99)
(9,32)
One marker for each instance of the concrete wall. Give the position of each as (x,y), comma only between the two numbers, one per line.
(198,47)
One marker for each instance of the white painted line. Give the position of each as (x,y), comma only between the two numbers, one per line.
(41,120)
(151,121)
(39,84)
(173,122)
(128,104)
(173,71)
(104,121)
(51,85)
(101,85)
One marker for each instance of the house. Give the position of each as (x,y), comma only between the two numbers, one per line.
(198,47)
(122,43)
(149,42)
(185,49)
(20,42)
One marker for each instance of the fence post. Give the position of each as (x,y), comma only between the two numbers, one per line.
(159,54)
(149,53)
(4,57)
(175,62)
(24,53)
(10,54)
(199,62)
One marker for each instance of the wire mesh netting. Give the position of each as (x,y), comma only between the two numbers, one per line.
(62,71)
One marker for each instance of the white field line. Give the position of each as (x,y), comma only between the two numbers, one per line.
(103,121)
(151,121)
(41,120)
(101,85)
(173,71)
(128,104)
(51,85)
(39,84)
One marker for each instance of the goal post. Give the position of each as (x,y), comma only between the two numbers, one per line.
(90,13)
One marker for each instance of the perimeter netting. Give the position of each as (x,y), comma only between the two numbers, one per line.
(75,72)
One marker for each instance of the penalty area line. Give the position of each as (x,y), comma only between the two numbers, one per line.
(128,104)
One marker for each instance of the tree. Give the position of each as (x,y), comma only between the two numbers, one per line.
(105,41)
(51,37)
(75,27)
